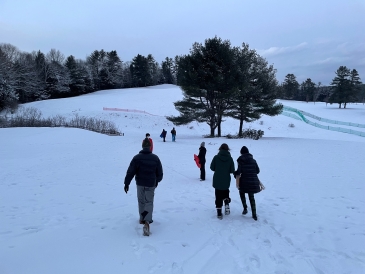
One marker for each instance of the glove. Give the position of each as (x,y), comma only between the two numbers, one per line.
(126,188)
(156,184)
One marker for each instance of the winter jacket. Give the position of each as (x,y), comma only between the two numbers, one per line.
(147,168)
(201,156)
(248,168)
(173,132)
(222,165)
(163,134)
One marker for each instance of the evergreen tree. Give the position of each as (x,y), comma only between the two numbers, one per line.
(255,93)
(127,81)
(206,80)
(140,71)
(114,70)
(168,71)
(80,81)
(290,87)
(309,89)
(8,95)
(27,80)
(57,78)
(42,74)
(97,65)
(154,70)
(345,86)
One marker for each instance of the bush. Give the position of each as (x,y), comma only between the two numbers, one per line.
(248,133)
(32,117)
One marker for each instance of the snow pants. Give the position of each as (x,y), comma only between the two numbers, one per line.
(145,197)
(202,171)
(173,137)
(220,196)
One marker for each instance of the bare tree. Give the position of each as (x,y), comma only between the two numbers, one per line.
(55,56)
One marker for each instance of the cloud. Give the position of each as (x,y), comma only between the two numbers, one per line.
(331,60)
(282,50)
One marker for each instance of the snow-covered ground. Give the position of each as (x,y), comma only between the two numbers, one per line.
(63,209)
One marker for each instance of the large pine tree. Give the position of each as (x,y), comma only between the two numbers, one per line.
(205,77)
(345,86)
(219,80)
(255,92)
(290,87)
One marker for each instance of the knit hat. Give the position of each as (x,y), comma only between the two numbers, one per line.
(244,150)
(202,144)
(147,135)
(146,143)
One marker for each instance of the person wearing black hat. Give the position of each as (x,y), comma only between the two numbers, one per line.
(146,167)
(201,156)
(248,181)
(148,136)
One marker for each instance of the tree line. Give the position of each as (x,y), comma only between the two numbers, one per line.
(344,88)
(27,77)
(217,79)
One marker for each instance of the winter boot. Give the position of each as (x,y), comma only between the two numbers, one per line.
(244,212)
(219,214)
(146,229)
(227,210)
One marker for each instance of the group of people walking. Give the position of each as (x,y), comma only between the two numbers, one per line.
(147,169)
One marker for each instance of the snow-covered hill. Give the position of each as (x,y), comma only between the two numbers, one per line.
(63,208)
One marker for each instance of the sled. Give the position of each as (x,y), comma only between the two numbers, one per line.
(161,135)
(196,159)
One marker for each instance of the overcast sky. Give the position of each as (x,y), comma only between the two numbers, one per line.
(309,38)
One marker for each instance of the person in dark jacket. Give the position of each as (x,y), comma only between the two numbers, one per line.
(201,156)
(163,134)
(173,134)
(249,182)
(148,136)
(147,169)
(222,165)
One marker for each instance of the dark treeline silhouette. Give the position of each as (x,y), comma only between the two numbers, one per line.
(345,87)
(27,77)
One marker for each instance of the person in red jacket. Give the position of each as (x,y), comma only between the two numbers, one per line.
(149,138)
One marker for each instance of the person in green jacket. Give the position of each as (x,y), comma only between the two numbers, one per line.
(222,165)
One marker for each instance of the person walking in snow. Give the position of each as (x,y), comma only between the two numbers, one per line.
(249,182)
(173,133)
(148,136)
(163,134)
(146,167)
(222,165)
(201,156)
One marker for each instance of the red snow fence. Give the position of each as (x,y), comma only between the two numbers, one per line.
(129,110)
